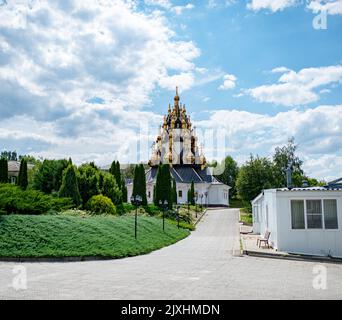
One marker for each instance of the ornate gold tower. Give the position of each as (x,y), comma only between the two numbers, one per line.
(177,143)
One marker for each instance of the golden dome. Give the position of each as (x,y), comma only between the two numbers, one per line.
(203,160)
(190,157)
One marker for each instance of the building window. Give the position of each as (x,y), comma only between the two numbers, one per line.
(180,194)
(330,214)
(314,214)
(297,214)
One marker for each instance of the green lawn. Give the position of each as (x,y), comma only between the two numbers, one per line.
(68,236)
(247,218)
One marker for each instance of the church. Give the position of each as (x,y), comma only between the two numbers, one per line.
(177,145)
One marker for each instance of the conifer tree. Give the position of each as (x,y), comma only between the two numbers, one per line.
(136,181)
(163,185)
(22,178)
(155,202)
(69,187)
(142,183)
(3,170)
(111,189)
(189,196)
(116,172)
(124,190)
(174,191)
(192,193)
(112,168)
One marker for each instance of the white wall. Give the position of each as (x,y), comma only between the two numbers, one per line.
(266,219)
(308,241)
(216,193)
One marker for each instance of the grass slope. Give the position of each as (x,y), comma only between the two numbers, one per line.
(66,236)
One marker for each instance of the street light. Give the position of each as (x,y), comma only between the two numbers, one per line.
(178,217)
(196,199)
(136,200)
(206,198)
(201,196)
(164,204)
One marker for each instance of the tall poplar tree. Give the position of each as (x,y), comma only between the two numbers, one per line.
(3,170)
(142,178)
(124,190)
(191,194)
(69,187)
(174,192)
(22,178)
(163,185)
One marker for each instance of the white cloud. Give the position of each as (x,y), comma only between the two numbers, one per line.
(229,82)
(180,9)
(161,3)
(297,88)
(85,70)
(167,5)
(318,133)
(272,5)
(211,4)
(280,70)
(184,80)
(333,7)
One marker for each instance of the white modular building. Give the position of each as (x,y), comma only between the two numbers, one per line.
(301,220)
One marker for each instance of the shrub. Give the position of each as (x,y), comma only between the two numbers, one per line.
(101,205)
(111,189)
(152,210)
(14,200)
(124,208)
(172,214)
(88,182)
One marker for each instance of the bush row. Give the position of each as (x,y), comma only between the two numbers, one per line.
(14,200)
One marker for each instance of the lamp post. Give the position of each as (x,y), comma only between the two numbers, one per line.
(201,196)
(206,199)
(178,217)
(136,201)
(164,204)
(196,199)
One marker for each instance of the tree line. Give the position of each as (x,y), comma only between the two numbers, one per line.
(259,173)
(62,178)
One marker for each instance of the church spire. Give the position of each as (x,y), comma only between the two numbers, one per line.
(176,107)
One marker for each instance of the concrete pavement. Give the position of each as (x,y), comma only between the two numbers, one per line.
(200,267)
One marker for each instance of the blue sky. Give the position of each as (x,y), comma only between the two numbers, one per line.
(81,79)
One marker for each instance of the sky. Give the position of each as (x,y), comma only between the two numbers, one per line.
(92,79)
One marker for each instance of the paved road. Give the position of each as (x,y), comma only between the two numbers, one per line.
(202,266)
